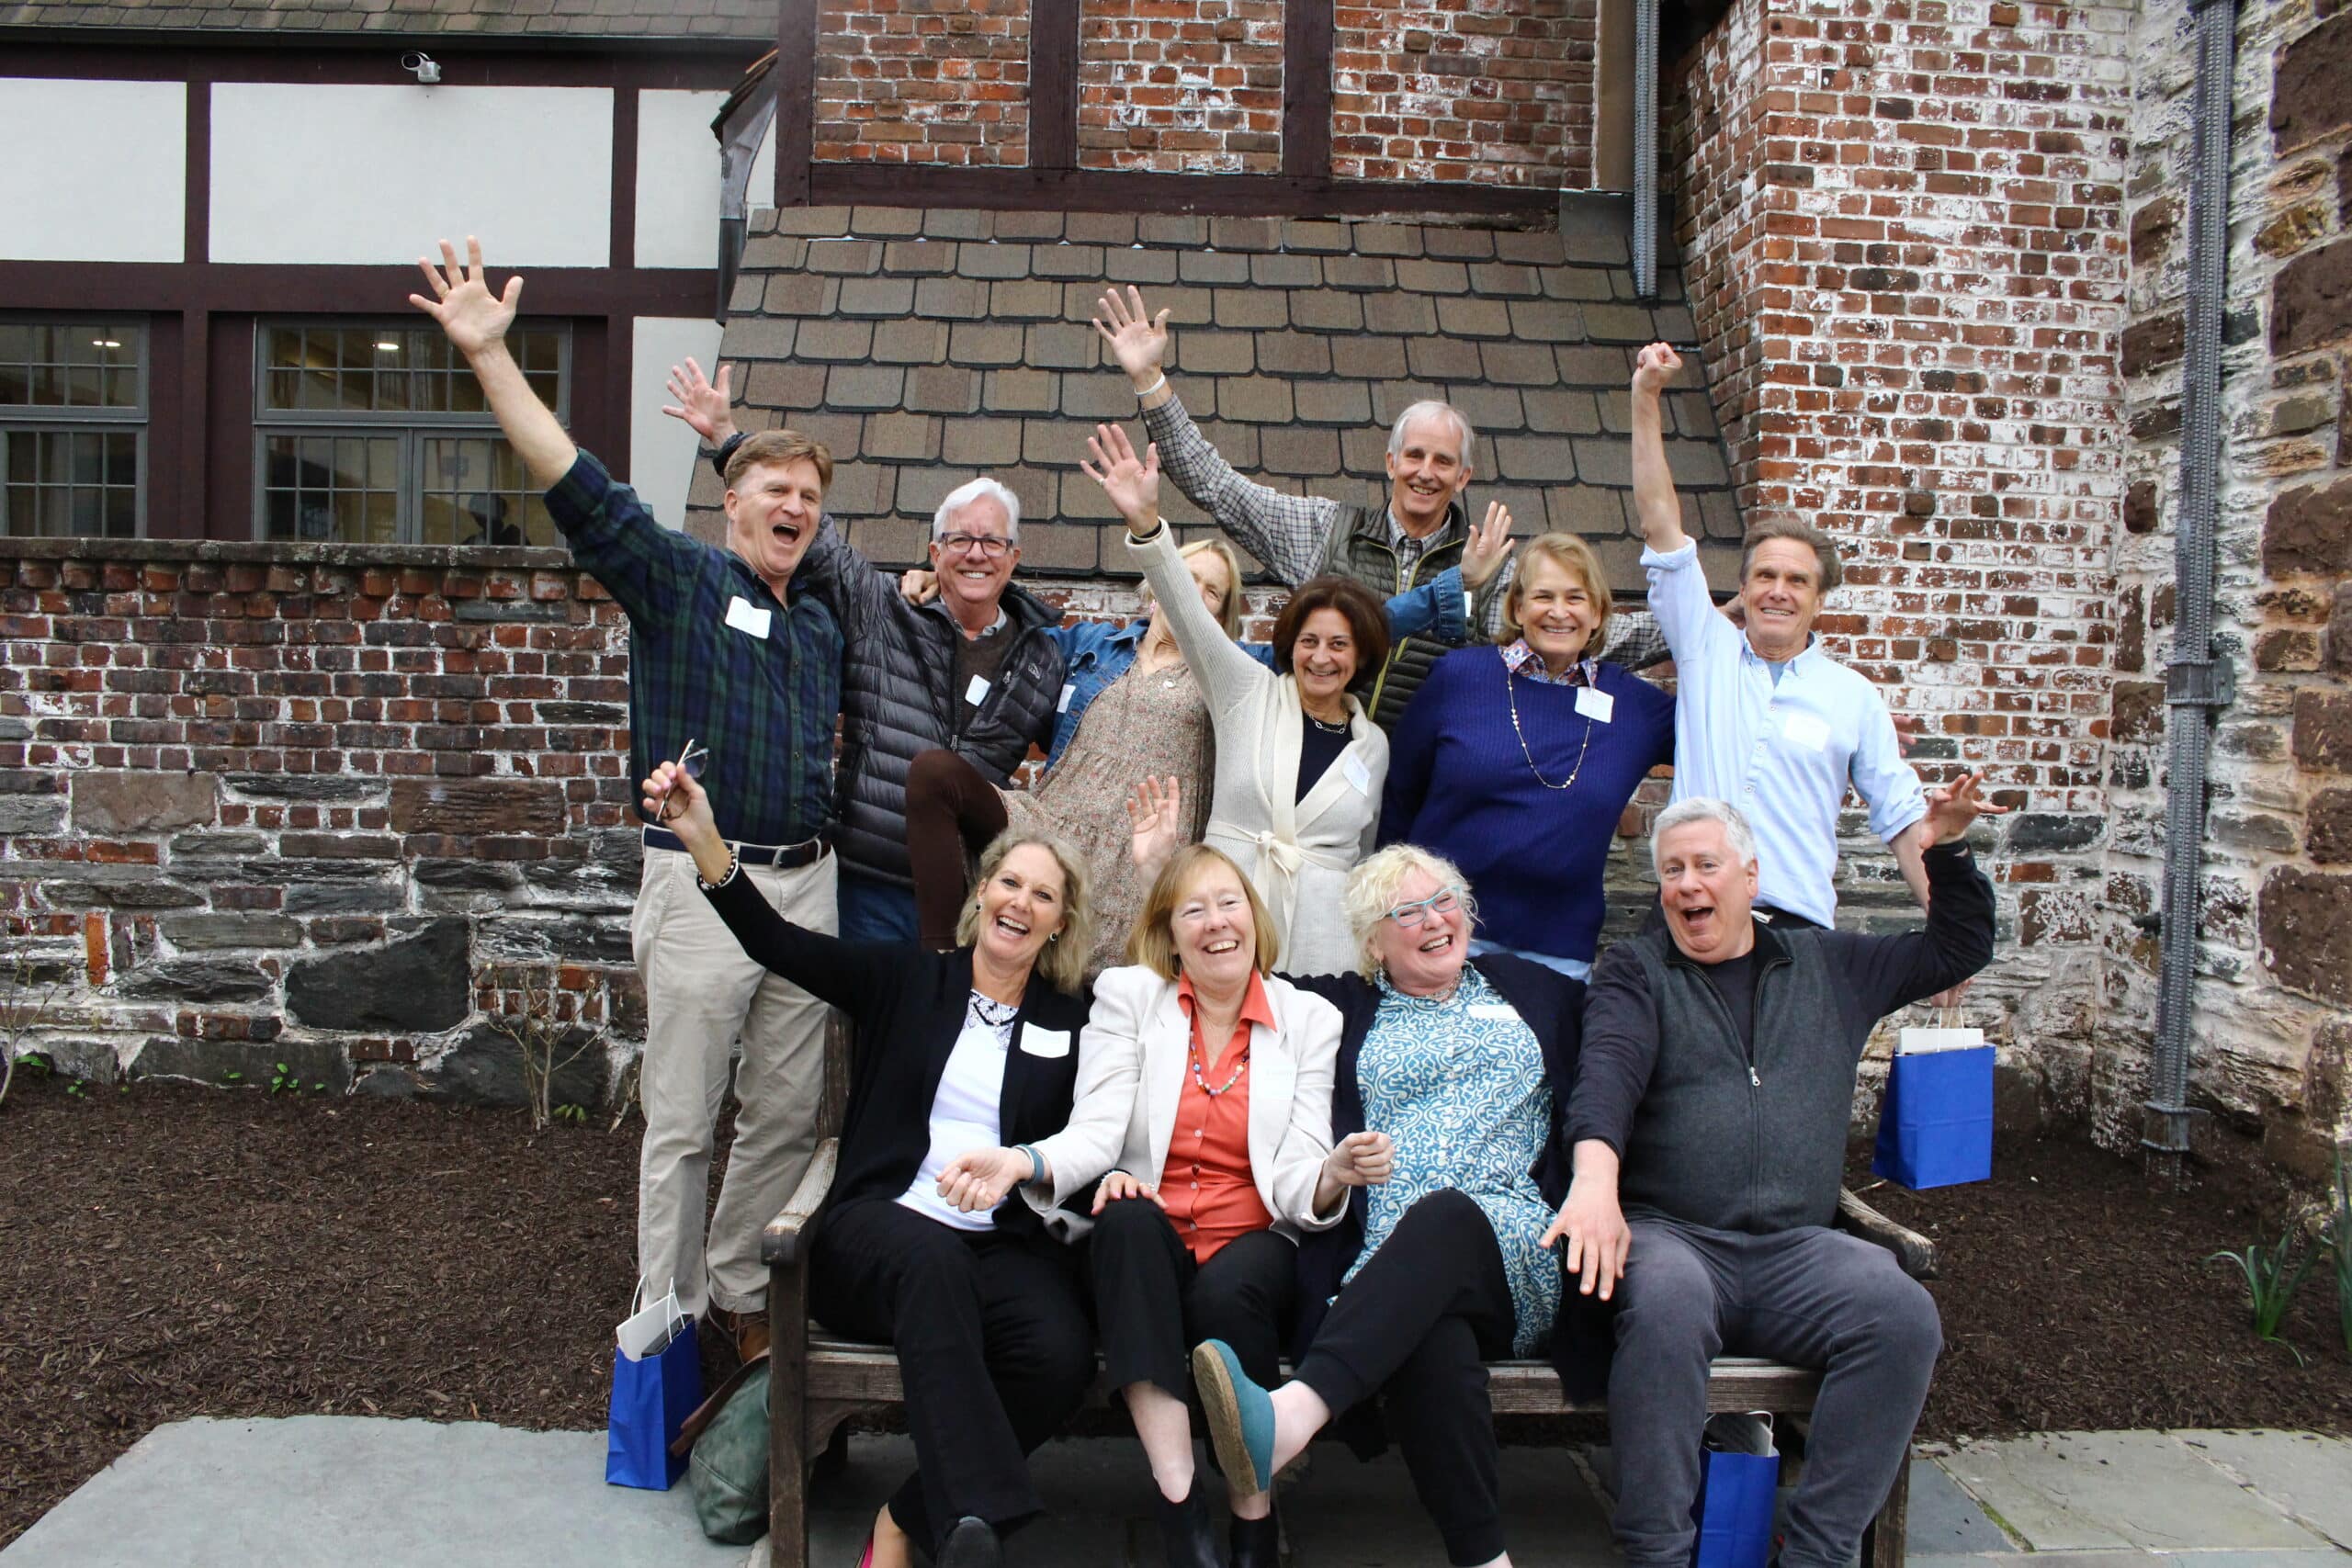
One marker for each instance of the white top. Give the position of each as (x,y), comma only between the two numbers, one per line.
(1782,752)
(964,1113)
(1296,850)
(1133,1060)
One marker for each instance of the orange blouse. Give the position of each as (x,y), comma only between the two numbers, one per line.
(1206,1184)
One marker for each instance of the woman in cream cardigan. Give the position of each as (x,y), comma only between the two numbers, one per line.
(1299,764)
(1203,1125)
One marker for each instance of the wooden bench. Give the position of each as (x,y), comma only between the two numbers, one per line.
(817,1383)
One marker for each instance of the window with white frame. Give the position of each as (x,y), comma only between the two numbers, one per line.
(72,427)
(381,434)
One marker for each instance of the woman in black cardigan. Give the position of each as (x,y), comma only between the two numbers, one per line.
(955,1050)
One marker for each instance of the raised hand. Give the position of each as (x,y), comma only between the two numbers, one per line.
(918,586)
(1131,482)
(702,403)
(1361,1159)
(676,799)
(1952,807)
(1488,544)
(475,318)
(1138,340)
(1118,1185)
(977,1181)
(1654,367)
(1155,822)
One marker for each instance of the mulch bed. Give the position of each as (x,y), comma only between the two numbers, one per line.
(172,1252)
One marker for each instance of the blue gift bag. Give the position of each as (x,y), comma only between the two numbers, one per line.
(1735,1495)
(653,1392)
(1935,1127)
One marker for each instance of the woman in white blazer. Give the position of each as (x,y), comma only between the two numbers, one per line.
(1300,765)
(1201,1120)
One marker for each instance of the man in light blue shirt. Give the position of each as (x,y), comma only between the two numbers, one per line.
(1763,718)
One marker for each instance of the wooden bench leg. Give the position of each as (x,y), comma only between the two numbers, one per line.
(1882,1543)
(787,1416)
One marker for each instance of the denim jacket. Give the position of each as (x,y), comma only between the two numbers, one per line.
(1099,652)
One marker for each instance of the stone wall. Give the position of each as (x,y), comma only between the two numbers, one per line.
(2274,993)
(265,804)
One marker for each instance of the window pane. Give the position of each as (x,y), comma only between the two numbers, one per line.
(68,483)
(122,514)
(319,487)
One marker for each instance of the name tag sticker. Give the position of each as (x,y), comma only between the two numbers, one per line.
(978,691)
(745,616)
(1036,1041)
(1357,774)
(1069,692)
(1595,703)
(1493,1012)
(1806,730)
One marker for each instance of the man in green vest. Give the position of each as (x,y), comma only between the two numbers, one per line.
(1420,532)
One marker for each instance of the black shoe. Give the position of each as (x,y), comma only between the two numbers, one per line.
(1256,1543)
(971,1544)
(1189,1537)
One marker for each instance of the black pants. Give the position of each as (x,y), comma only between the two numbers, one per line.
(952,813)
(993,1346)
(1418,1325)
(1155,1304)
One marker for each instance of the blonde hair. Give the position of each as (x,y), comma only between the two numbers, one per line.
(1372,893)
(1063,962)
(1574,556)
(1229,610)
(1153,943)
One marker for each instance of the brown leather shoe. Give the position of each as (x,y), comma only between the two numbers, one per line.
(749,1330)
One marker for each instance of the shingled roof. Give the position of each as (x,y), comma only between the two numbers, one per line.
(927,346)
(752,20)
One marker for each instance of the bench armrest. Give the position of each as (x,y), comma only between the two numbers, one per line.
(1914,1251)
(796,1224)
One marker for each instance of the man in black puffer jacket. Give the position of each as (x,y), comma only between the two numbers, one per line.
(1714,1092)
(973,672)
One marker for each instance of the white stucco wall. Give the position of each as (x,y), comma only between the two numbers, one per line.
(662,449)
(353,175)
(677,179)
(94,171)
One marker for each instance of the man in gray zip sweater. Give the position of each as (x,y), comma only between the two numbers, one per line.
(1708,1134)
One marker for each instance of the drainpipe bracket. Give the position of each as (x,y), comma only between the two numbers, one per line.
(2164,1128)
(2200,683)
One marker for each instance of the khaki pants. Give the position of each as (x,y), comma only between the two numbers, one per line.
(701,992)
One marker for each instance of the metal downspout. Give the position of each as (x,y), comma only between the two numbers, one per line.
(1645,149)
(2197,685)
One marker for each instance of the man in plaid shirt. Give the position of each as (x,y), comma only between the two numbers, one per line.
(1421,530)
(729,663)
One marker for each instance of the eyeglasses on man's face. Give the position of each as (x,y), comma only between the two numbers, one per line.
(988,546)
(1419,912)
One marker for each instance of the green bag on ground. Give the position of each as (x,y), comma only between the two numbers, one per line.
(728,1466)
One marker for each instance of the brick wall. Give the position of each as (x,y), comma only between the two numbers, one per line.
(923,82)
(1483,90)
(1497,91)
(1191,87)
(2274,964)
(1904,240)
(284,803)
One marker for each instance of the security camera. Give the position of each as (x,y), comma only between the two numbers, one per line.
(427,70)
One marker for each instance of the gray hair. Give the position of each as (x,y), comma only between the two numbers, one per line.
(1699,808)
(982,488)
(1426,407)
(1372,893)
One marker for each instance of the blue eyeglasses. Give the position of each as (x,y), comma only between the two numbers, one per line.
(1443,902)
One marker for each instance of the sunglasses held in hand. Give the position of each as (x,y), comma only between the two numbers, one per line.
(690,762)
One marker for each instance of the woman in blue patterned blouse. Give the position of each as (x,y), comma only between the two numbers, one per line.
(1463,1061)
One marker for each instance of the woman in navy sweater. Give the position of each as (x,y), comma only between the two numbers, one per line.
(1515,761)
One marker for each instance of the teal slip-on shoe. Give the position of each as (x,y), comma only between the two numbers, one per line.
(1240,1416)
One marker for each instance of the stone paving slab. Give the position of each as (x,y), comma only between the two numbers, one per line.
(2308,1475)
(2093,1490)
(350,1490)
(1945,1520)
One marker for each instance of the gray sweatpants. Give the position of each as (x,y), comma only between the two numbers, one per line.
(1810,1297)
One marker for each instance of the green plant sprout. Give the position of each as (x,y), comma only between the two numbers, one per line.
(2339,1231)
(2272,1275)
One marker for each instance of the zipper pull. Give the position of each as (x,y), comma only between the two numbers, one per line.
(1752,1078)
